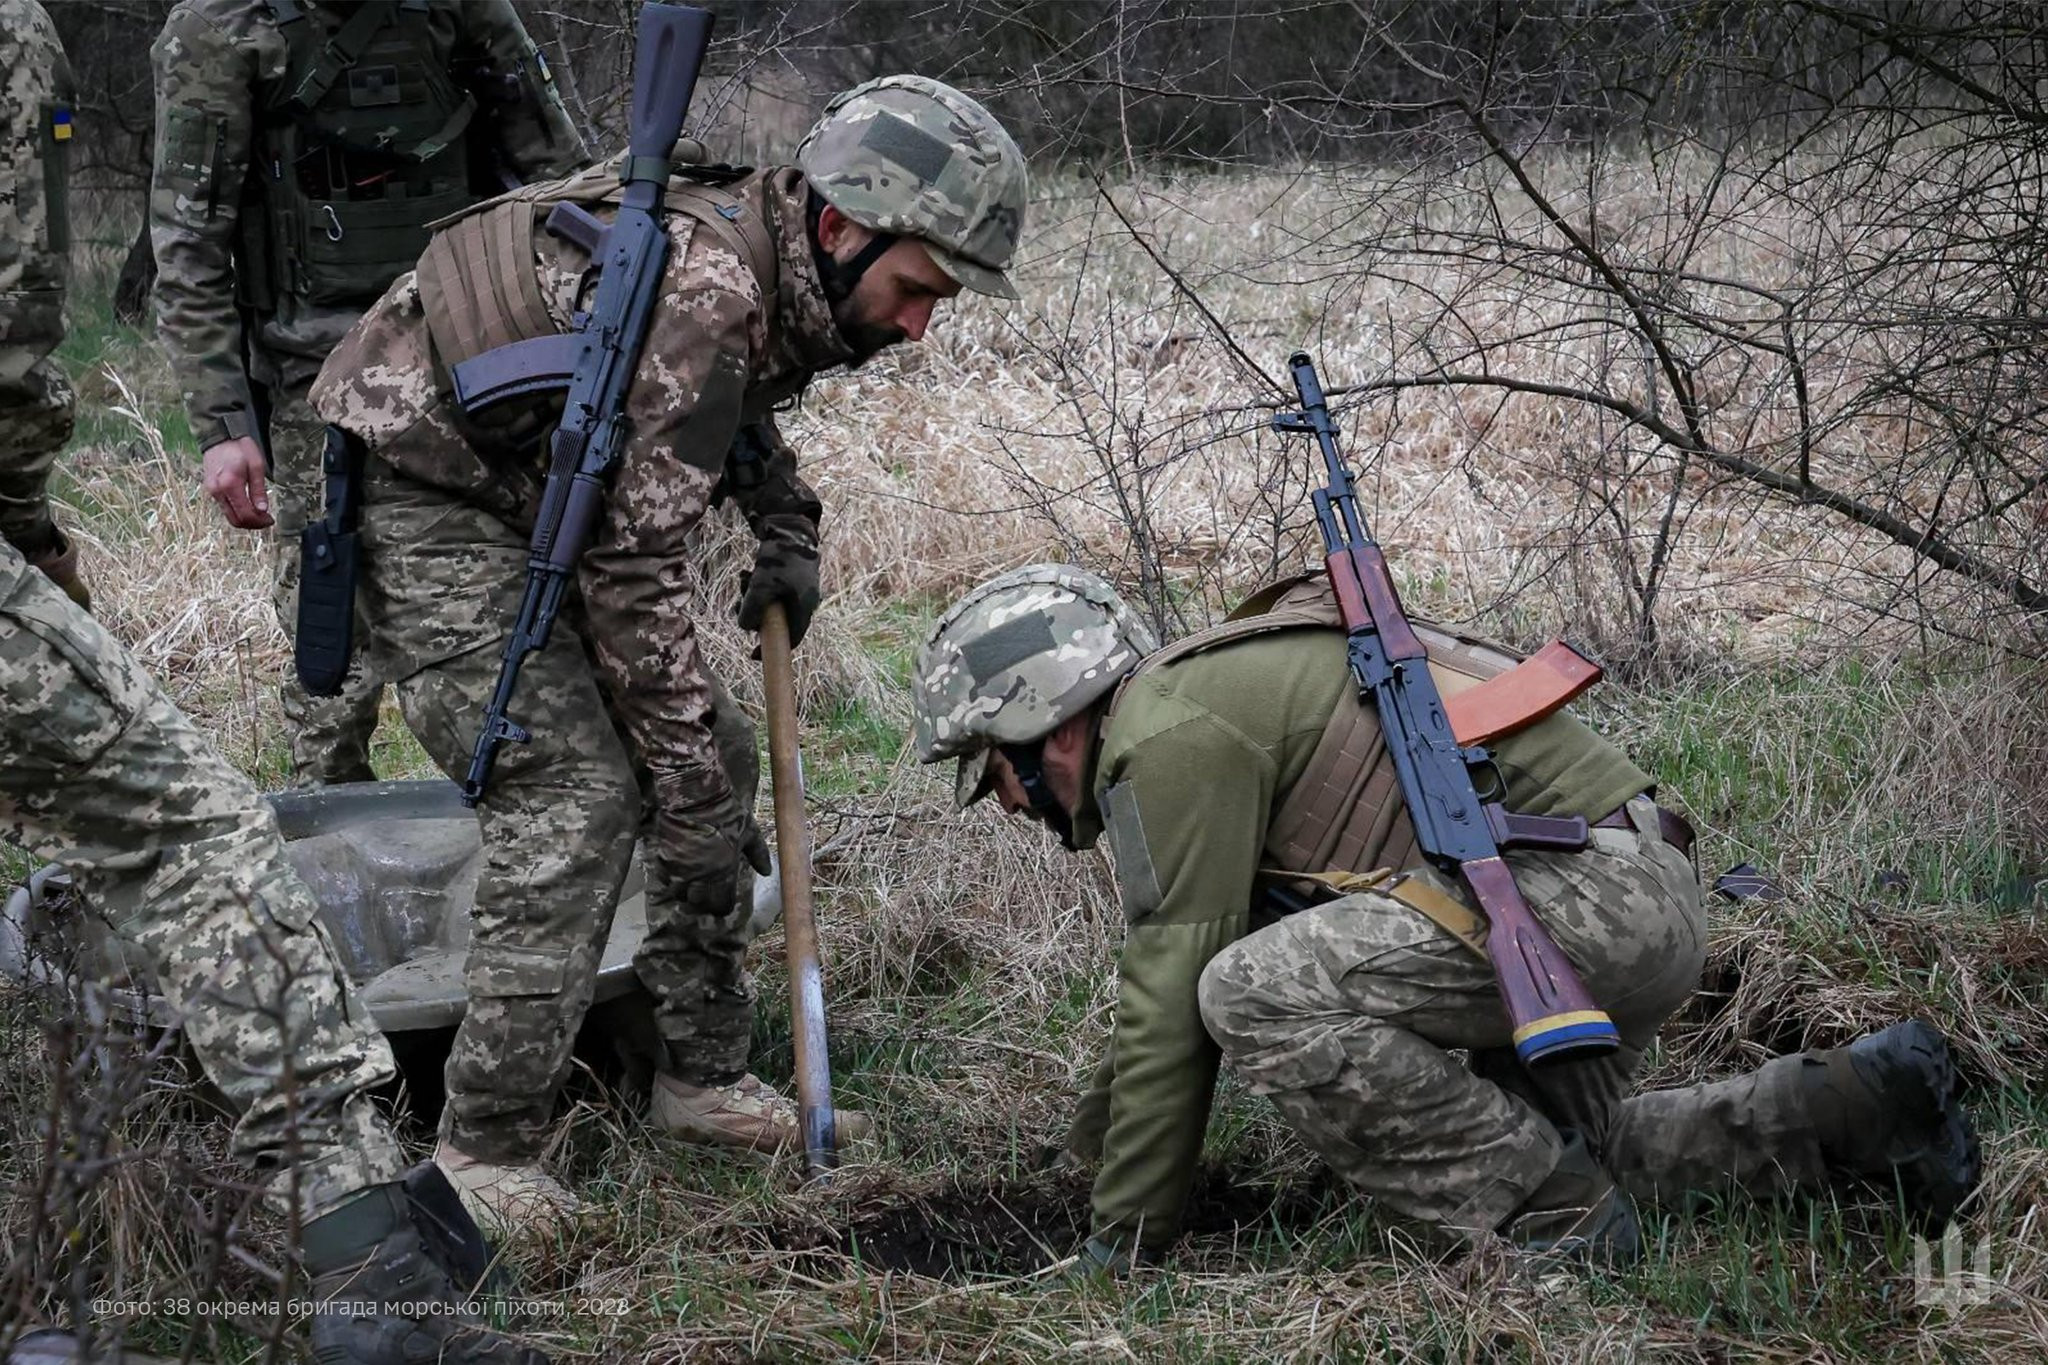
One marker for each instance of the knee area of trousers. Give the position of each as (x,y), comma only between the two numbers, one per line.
(1232,998)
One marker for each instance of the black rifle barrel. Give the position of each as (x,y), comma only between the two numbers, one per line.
(630,256)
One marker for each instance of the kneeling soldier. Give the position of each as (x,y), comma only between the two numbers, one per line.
(1243,752)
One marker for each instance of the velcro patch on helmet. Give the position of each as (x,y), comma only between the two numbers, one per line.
(1007,645)
(908,145)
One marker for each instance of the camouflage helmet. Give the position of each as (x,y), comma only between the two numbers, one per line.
(915,157)
(1014,659)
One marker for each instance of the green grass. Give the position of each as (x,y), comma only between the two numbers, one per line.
(1777,765)
(95,340)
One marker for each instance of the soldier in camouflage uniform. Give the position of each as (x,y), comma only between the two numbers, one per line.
(35,400)
(178,851)
(302,147)
(905,192)
(1242,758)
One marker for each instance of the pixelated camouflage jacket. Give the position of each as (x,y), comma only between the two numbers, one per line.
(720,347)
(35,127)
(35,111)
(212,62)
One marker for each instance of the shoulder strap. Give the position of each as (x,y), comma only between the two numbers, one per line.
(318,63)
(733,219)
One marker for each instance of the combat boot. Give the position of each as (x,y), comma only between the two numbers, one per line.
(380,1297)
(513,1201)
(1884,1108)
(1578,1214)
(749,1114)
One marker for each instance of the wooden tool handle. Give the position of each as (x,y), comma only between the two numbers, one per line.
(799,927)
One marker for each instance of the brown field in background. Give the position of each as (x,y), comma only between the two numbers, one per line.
(986,446)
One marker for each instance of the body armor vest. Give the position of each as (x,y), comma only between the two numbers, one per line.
(479,289)
(1344,813)
(358,147)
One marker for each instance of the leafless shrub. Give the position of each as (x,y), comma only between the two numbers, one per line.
(124,1215)
(1825,301)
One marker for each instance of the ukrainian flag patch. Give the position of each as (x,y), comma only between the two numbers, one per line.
(60,124)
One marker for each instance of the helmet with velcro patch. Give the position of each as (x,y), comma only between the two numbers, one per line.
(1014,659)
(913,157)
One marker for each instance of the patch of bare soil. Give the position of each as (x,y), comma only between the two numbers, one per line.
(967,1231)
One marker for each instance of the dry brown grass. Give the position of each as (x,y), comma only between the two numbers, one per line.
(970,963)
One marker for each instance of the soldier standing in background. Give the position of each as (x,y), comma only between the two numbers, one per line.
(302,147)
(171,845)
(905,192)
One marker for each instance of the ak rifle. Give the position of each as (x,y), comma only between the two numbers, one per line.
(1552,1015)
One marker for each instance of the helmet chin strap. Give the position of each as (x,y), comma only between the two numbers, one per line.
(840,278)
(1027,761)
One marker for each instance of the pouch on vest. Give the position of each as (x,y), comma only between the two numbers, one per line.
(327,571)
(361,143)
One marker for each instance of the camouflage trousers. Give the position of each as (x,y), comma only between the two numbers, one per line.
(442,579)
(1345,1014)
(178,852)
(330,736)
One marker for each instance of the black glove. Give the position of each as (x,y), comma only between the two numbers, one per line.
(782,573)
(754,848)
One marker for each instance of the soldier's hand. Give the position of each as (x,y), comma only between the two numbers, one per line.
(781,574)
(754,848)
(60,565)
(233,475)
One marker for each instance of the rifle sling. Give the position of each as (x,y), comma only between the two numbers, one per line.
(1446,912)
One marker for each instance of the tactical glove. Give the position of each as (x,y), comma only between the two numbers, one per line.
(59,564)
(754,848)
(782,573)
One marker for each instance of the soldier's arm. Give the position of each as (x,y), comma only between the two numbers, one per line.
(536,137)
(1091,1115)
(31,319)
(204,121)
(778,505)
(1185,869)
(783,513)
(682,411)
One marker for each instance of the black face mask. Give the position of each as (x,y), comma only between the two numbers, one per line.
(1027,761)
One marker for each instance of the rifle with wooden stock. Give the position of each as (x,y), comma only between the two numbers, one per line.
(1552,1015)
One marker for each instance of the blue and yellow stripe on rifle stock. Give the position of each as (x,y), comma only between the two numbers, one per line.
(1570,1031)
